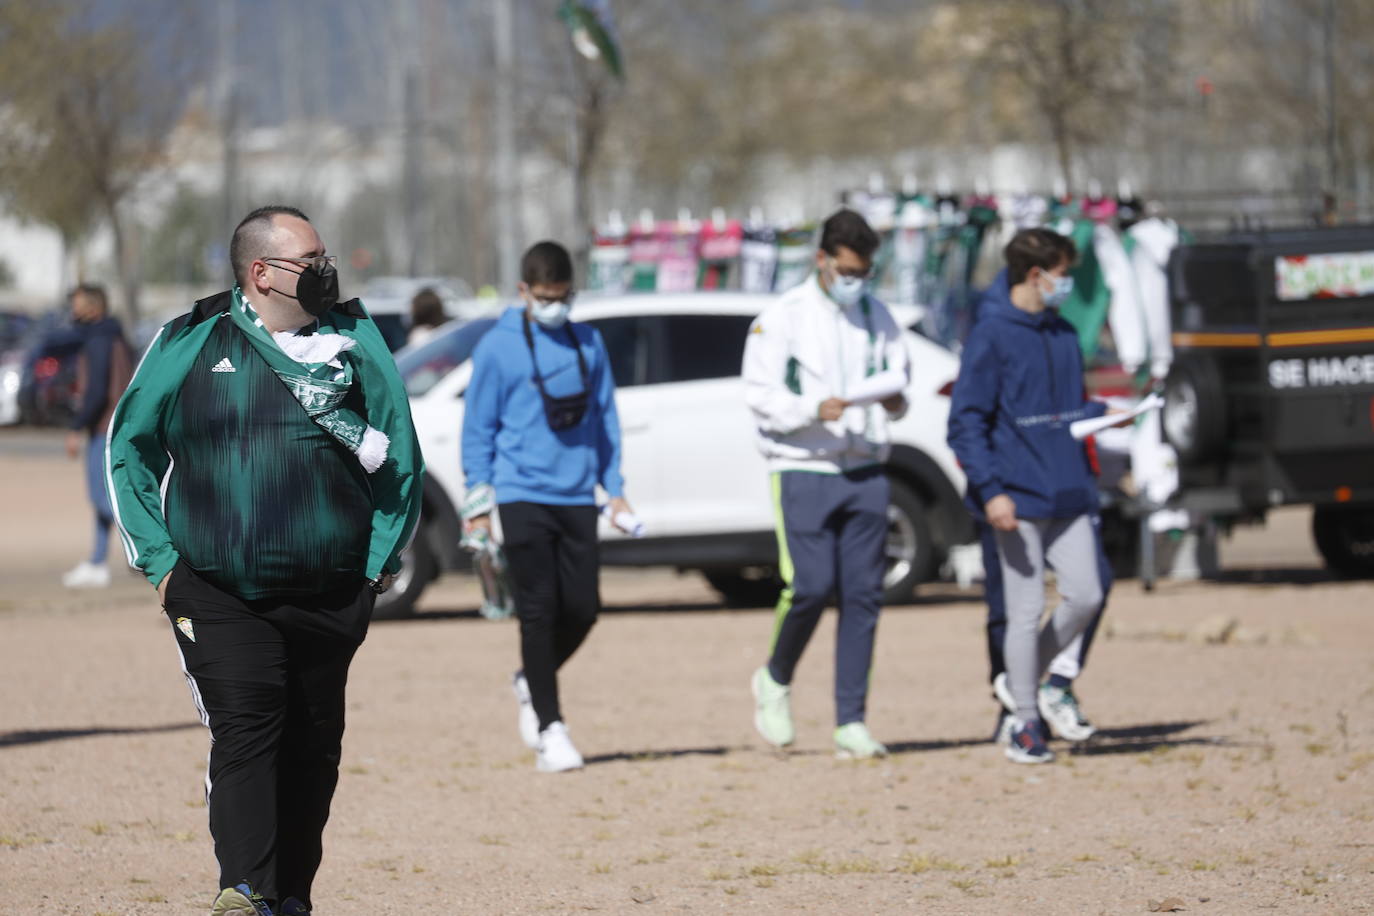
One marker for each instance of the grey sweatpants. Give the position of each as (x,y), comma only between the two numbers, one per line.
(1068,547)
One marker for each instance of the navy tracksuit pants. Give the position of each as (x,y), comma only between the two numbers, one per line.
(832,529)
(997,604)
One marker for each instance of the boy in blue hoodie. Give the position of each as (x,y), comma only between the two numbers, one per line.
(1020,385)
(540,432)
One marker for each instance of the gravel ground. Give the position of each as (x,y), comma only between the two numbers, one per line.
(1235,777)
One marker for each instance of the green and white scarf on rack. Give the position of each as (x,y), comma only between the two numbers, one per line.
(317,369)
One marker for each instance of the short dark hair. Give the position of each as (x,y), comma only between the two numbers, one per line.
(1042,248)
(546,264)
(845,228)
(91,290)
(250,237)
(426,309)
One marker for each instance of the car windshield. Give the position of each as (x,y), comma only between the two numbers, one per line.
(423,367)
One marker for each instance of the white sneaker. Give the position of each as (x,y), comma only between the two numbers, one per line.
(556,752)
(1059,709)
(528,719)
(1002,690)
(87,575)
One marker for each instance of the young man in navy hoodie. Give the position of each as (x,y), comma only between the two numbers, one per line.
(1020,385)
(540,432)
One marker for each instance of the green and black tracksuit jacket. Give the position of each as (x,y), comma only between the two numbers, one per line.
(210,459)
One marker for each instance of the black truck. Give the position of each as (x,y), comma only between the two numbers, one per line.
(1270,399)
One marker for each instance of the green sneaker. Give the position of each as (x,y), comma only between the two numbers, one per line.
(772,709)
(240,901)
(853,742)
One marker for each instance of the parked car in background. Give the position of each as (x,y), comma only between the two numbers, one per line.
(388,302)
(13,331)
(47,370)
(692,469)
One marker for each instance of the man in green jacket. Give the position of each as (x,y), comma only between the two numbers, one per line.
(265,477)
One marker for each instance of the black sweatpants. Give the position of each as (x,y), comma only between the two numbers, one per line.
(554,563)
(268,678)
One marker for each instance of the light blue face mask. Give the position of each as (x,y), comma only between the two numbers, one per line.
(1063,288)
(551,315)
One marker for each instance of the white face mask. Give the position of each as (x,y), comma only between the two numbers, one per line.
(846,290)
(551,315)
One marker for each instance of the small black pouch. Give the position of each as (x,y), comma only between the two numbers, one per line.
(567,411)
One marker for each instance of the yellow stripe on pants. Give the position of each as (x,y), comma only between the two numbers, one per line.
(784,562)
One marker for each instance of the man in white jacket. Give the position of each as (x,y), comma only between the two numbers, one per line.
(824,371)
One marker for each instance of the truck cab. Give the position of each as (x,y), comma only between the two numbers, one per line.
(1270,399)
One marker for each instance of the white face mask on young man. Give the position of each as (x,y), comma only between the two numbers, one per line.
(1061,289)
(846,290)
(550,315)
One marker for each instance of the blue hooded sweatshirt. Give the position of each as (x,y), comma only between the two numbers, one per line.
(507,441)
(1020,385)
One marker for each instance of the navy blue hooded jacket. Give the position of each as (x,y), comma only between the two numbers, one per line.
(1020,385)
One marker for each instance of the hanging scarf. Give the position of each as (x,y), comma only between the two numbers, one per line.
(318,370)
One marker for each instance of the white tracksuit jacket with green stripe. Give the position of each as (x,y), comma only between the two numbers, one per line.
(804,349)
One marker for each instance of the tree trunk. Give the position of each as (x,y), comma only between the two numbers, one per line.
(124,261)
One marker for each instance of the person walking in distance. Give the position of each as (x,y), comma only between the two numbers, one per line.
(824,368)
(540,434)
(1020,385)
(266,477)
(104,365)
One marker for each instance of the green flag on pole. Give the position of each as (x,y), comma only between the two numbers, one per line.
(593,32)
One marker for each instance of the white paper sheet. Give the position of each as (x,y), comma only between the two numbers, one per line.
(876,388)
(1082,429)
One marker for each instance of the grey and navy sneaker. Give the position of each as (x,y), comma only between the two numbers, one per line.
(1028,743)
(1059,708)
(240,900)
(292,907)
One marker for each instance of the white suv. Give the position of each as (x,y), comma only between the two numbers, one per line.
(692,470)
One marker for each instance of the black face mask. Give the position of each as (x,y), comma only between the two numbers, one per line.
(317,290)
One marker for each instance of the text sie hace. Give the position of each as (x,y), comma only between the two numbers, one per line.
(1322,371)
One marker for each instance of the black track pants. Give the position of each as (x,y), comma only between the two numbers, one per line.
(268,678)
(552,555)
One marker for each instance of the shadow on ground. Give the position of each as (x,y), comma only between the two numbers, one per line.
(648,756)
(43,735)
(1301,575)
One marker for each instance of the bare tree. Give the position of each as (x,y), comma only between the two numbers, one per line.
(84,122)
(1067,61)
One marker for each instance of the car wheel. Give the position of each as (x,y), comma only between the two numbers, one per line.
(1345,538)
(418,569)
(1194,415)
(752,586)
(910,552)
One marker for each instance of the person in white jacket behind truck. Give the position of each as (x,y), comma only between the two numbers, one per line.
(824,371)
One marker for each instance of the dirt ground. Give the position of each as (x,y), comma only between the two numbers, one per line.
(1236,777)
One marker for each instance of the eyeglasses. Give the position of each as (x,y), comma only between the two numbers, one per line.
(852,273)
(316,263)
(567,297)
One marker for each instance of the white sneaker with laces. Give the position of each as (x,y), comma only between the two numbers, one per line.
(1059,709)
(1002,690)
(527,719)
(87,575)
(556,752)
